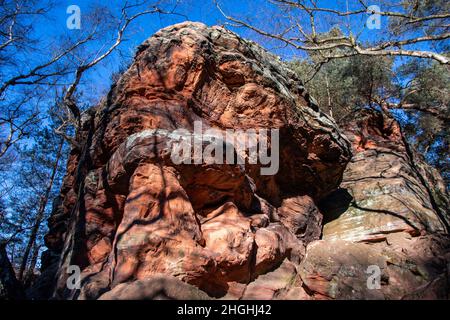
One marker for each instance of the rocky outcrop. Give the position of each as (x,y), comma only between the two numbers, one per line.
(139,224)
(384,220)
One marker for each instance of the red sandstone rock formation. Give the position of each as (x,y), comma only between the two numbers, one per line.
(389,213)
(132,219)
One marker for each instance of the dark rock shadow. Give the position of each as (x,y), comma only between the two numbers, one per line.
(335,204)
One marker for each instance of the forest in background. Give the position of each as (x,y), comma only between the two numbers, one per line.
(50,76)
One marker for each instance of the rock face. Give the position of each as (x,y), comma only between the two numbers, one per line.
(128,212)
(10,287)
(139,224)
(387,217)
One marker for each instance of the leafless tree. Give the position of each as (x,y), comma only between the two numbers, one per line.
(68,101)
(301,25)
(34,76)
(14,125)
(66,66)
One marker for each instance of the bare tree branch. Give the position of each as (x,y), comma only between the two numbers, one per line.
(311,42)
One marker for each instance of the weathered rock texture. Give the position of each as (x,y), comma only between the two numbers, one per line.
(385,185)
(389,212)
(134,221)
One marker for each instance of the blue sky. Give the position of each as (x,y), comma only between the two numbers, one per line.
(142,28)
(259,12)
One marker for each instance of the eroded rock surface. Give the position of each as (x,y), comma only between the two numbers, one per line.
(137,224)
(128,212)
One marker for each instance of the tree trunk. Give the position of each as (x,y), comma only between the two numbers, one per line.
(28,280)
(40,214)
(10,288)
